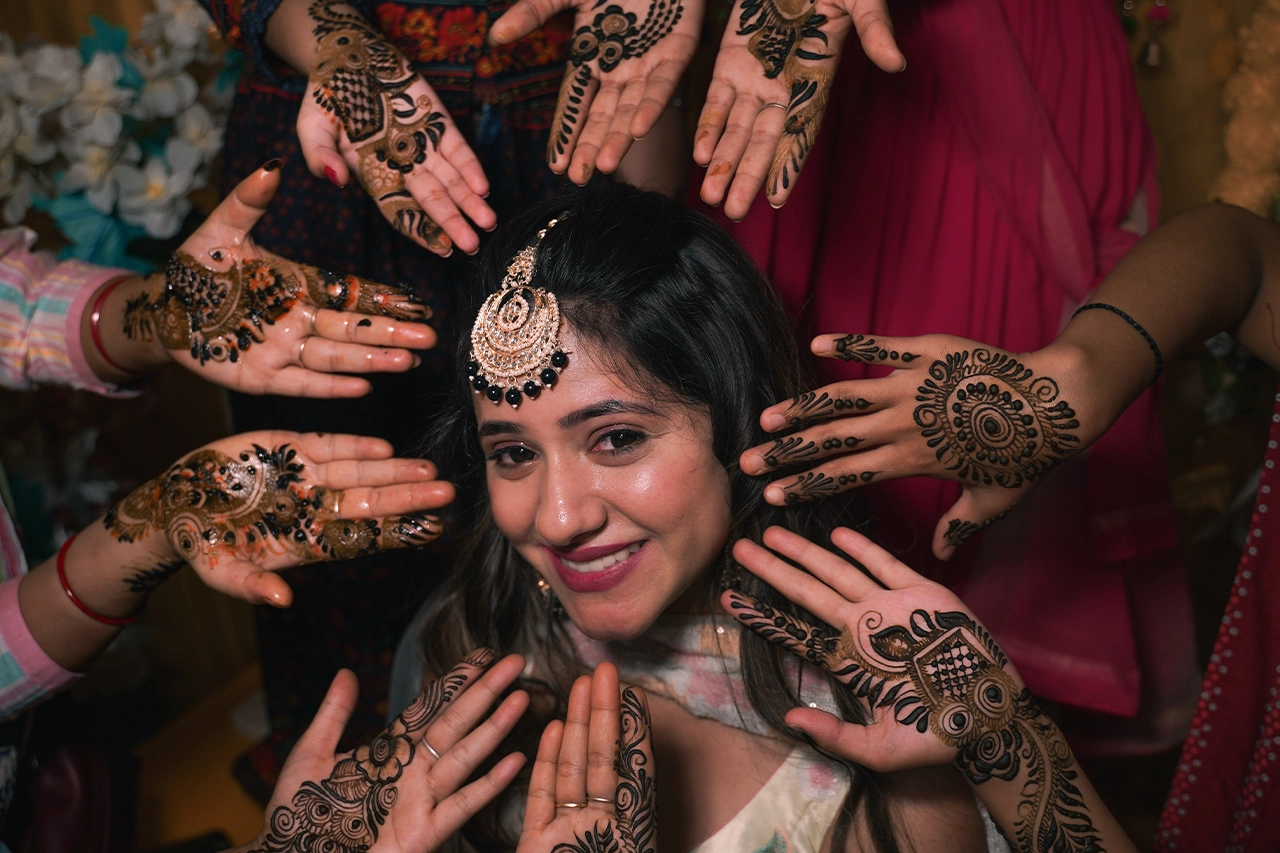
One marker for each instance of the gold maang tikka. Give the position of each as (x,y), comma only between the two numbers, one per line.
(515,342)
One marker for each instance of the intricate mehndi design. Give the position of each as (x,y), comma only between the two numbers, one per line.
(361,79)
(210,505)
(778,29)
(943,673)
(344,812)
(959,530)
(991,420)
(148,579)
(218,316)
(635,827)
(866,350)
(612,37)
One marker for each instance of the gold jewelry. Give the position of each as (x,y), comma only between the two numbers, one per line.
(571,805)
(604,800)
(515,342)
(337,502)
(301,349)
(782,107)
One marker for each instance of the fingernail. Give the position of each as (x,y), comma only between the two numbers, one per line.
(417,360)
(773,421)
(331,175)
(272,164)
(775,206)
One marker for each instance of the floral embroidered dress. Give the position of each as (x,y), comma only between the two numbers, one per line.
(502,99)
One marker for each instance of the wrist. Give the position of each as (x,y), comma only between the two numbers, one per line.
(1099,371)
(117,346)
(103,572)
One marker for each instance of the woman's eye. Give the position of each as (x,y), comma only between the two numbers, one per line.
(620,439)
(512,455)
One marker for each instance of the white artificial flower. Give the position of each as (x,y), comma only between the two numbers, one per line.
(92,171)
(154,197)
(183,23)
(169,89)
(197,128)
(94,114)
(50,75)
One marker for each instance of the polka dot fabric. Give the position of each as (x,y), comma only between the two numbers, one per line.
(1224,795)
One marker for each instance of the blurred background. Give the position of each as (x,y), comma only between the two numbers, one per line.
(176,701)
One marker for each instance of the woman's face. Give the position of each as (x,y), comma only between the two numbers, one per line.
(615,498)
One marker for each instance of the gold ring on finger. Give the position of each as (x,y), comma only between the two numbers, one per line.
(302,347)
(605,800)
(571,805)
(336,510)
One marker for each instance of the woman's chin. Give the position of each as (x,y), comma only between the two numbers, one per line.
(610,626)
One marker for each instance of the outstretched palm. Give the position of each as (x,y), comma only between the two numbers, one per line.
(769,91)
(249,320)
(626,59)
(593,785)
(244,507)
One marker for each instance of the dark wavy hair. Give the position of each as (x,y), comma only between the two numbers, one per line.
(680,309)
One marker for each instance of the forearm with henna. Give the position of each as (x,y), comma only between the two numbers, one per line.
(126,359)
(110,577)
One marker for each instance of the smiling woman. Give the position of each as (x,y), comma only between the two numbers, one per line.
(598,511)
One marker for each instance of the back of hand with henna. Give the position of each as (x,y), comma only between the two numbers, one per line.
(245,506)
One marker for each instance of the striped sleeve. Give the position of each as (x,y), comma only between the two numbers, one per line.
(27,675)
(41,304)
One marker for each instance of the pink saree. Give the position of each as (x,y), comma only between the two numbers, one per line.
(984,192)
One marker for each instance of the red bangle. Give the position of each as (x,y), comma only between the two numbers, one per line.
(66,587)
(94,316)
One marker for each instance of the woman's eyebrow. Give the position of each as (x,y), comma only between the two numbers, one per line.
(500,428)
(603,408)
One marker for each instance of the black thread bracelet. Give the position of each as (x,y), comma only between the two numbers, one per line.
(1151,342)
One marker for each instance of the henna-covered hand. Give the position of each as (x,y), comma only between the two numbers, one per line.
(393,794)
(933,684)
(367,111)
(240,509)
(626,59)
(769,91)
(249,320)
(952,408)
(593,788)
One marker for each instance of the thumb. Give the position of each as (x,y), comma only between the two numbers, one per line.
(975,510)
(233,219)
(246,581)
(320,740)
(318,132)
(830,733)
(525,17)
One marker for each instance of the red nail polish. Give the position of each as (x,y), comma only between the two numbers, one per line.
(331,175)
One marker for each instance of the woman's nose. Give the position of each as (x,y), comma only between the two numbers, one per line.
(568,508)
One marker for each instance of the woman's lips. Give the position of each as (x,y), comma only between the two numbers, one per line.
(596,569)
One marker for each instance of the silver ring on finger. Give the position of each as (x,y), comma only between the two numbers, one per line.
(782,107)
(571,805)
(431,749)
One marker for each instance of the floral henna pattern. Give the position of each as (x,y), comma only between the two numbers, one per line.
(942,673)
(866,350)
(779,31)
(992,421)
(217,316)
(612,37)
(211,505)
(813,406)
(362,80)
(346,811)
(635,827)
